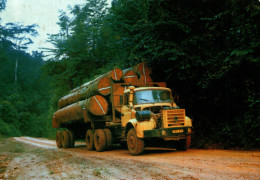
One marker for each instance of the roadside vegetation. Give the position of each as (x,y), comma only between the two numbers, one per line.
(24,91)
(206,51)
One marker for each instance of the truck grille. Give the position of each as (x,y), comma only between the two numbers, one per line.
(172,118)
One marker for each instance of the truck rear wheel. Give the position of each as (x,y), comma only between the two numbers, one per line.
(71,139)
(100,140)
(108,138)
(65,139)
(90,140)
(58,139)
(135,145)
(184,144)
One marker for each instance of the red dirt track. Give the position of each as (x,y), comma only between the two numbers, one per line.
(155,163)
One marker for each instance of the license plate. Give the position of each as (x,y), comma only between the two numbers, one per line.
(177,131)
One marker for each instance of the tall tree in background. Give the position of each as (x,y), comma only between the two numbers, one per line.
(23,102)
(19,35)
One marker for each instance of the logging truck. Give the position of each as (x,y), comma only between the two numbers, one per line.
(143,113)
(137,114)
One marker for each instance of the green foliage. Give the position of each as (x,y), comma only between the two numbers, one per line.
(8,130)
(8,112)
(24,92)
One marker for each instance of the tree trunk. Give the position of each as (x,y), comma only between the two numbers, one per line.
(100,86)
(16,68)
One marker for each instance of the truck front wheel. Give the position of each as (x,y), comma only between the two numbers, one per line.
(135,145)
(100,140)
(90,139)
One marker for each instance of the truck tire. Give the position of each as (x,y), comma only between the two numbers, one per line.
(90,140)
(184,144)
(71,138)
(58,139)
(108,138)
(135,145)
(65,139)
(100,140)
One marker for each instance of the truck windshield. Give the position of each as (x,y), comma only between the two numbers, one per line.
(152,96)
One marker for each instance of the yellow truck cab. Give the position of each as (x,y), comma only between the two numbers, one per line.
(151,113)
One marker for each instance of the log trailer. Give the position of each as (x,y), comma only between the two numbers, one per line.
(135,113)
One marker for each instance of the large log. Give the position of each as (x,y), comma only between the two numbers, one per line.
(145,79)
(142,69)
(96,105)
(130,76)
(68,99)
(101,86)
(116,74)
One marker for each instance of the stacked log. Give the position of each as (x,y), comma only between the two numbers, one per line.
(96,105)
(92,98)
(142,69)
(139,73)
(115,74)
(130,76)
(145,79)
(99,86)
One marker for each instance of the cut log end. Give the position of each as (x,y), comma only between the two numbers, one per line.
(116,74)
(104,86)
(98,105)
(130,77)
(145,79)
(143,69)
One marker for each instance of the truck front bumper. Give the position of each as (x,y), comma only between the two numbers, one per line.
(167,133)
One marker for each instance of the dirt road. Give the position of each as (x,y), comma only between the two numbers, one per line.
(30,158)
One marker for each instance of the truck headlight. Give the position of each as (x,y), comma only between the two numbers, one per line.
(143,115)
(164,133)
(188,121)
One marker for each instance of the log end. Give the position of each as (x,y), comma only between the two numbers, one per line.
(145,79)
(116,74)
(143,69)
(104,86)
(98,106)
(130,77)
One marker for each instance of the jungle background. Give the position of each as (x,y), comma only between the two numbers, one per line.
(207,51)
